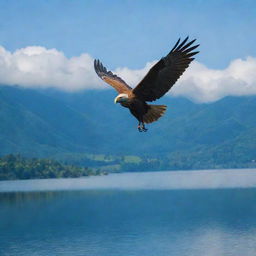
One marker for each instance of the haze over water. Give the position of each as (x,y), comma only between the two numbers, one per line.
(166,213)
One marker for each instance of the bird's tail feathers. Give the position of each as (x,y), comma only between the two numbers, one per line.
(154,113)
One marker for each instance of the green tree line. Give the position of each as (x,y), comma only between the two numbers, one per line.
(18,167)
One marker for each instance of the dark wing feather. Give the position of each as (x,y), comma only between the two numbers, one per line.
(120,85)
(163,75)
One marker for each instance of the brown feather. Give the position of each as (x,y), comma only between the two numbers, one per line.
(154,113)
(118,83)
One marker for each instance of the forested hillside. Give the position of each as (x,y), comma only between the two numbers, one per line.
(88,128)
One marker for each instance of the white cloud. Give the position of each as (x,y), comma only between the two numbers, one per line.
(36,66)
(205,85)
(134,76)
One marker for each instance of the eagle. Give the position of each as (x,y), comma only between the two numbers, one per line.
(157,82)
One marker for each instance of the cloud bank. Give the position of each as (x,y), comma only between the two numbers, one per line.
(36,66)
(202,84)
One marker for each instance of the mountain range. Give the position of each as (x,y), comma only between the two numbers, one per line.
(62,125)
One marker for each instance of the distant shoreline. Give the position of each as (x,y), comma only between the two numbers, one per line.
(16,167)
(165,180)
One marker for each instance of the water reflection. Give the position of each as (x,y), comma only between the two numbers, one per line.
(129,222)
(21,197)
(139,222)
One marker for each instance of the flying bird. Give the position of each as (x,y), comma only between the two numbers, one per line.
(158,81)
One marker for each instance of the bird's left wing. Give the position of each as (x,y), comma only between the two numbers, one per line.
(163,75)
(119,84)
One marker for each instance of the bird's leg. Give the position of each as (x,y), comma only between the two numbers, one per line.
(144,129)
(139,127)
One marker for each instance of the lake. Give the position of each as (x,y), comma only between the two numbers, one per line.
(181,213)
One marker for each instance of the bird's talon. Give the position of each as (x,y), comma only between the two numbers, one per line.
(144,129)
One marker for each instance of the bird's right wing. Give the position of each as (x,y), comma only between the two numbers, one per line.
(119,84)
(163,75)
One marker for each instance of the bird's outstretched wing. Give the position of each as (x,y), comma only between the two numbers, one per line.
(119,84)
(163,75)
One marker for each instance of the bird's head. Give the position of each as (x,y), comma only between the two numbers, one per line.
(123,97)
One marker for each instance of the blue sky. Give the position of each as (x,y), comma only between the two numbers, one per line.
(128,36)
(131,33)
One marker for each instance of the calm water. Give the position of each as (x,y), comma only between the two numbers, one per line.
(173,213)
